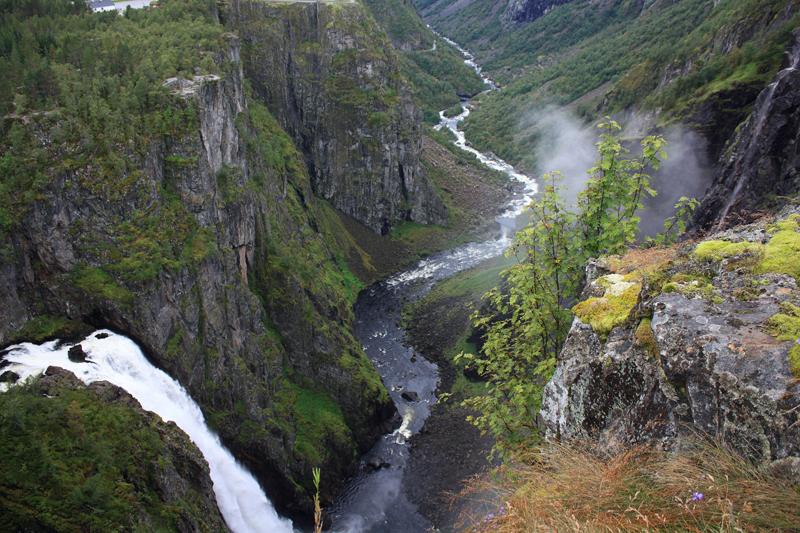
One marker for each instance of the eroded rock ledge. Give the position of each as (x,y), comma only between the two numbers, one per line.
(707,344)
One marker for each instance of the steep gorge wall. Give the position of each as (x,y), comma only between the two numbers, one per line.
(211,252)
(327,71)
(528,10)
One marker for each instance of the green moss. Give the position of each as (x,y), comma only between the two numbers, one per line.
(786,327)
(714,250)
(47,327)
(782,252)
(97,282)
(317,420)
(692,286)
(606,312)
(646,338)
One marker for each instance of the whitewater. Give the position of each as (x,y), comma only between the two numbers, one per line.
(119,360)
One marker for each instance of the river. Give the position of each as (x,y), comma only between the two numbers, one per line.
(375,500)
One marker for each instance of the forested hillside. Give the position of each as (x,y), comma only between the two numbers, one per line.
(700,63)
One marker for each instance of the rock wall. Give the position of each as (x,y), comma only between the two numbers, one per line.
(703,350)
(209,254)
(529,10)
(327,71)
(762,160)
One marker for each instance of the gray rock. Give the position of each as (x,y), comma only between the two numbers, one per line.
(9,376)
(410,396)
(76,354)
(717,372)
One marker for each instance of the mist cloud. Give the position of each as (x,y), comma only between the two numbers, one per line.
(568,145)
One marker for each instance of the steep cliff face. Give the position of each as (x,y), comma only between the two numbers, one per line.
(706,344)
(327,71)
(210,250)
(529,10)
(77,457)
(762,161)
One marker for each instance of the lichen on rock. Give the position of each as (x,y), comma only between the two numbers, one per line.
(613,308)
(714,350)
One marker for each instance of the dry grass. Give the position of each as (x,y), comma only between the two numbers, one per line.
(644,260)
(570,489)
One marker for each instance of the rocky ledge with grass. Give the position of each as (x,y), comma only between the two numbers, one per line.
(700,337)
(90,458)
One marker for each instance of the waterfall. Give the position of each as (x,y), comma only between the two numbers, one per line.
(756,123)
(119,360)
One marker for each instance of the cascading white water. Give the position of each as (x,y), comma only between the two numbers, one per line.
(118,360)
(758,119)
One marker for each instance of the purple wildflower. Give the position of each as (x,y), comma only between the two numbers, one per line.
(697,496)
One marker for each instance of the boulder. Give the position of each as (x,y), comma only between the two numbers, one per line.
(76,354)
(698,355)
(9,376)
(410,396)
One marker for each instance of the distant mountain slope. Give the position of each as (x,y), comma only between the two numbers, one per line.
(436,70)
(699,62)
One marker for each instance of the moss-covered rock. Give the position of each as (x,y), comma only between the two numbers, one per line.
(782,251)
(614,307)
(717,250)
(714,348)
(786,327)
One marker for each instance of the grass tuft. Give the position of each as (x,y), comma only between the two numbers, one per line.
(703,488)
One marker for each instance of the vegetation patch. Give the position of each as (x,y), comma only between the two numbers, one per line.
(717,250)
(645,261)
(704,487)
(319,423)
(70,462)
(782,252)
(48,327)
(646,339)
(613,309)
(786,327)
(98,283)
(692,286)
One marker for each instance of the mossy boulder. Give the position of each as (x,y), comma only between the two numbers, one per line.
(707,341)
(614,307)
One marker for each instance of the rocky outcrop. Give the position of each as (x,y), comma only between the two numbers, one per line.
(329,75)
(529,10)
(164,472)
(762,161)
(706,348)
(207,249)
